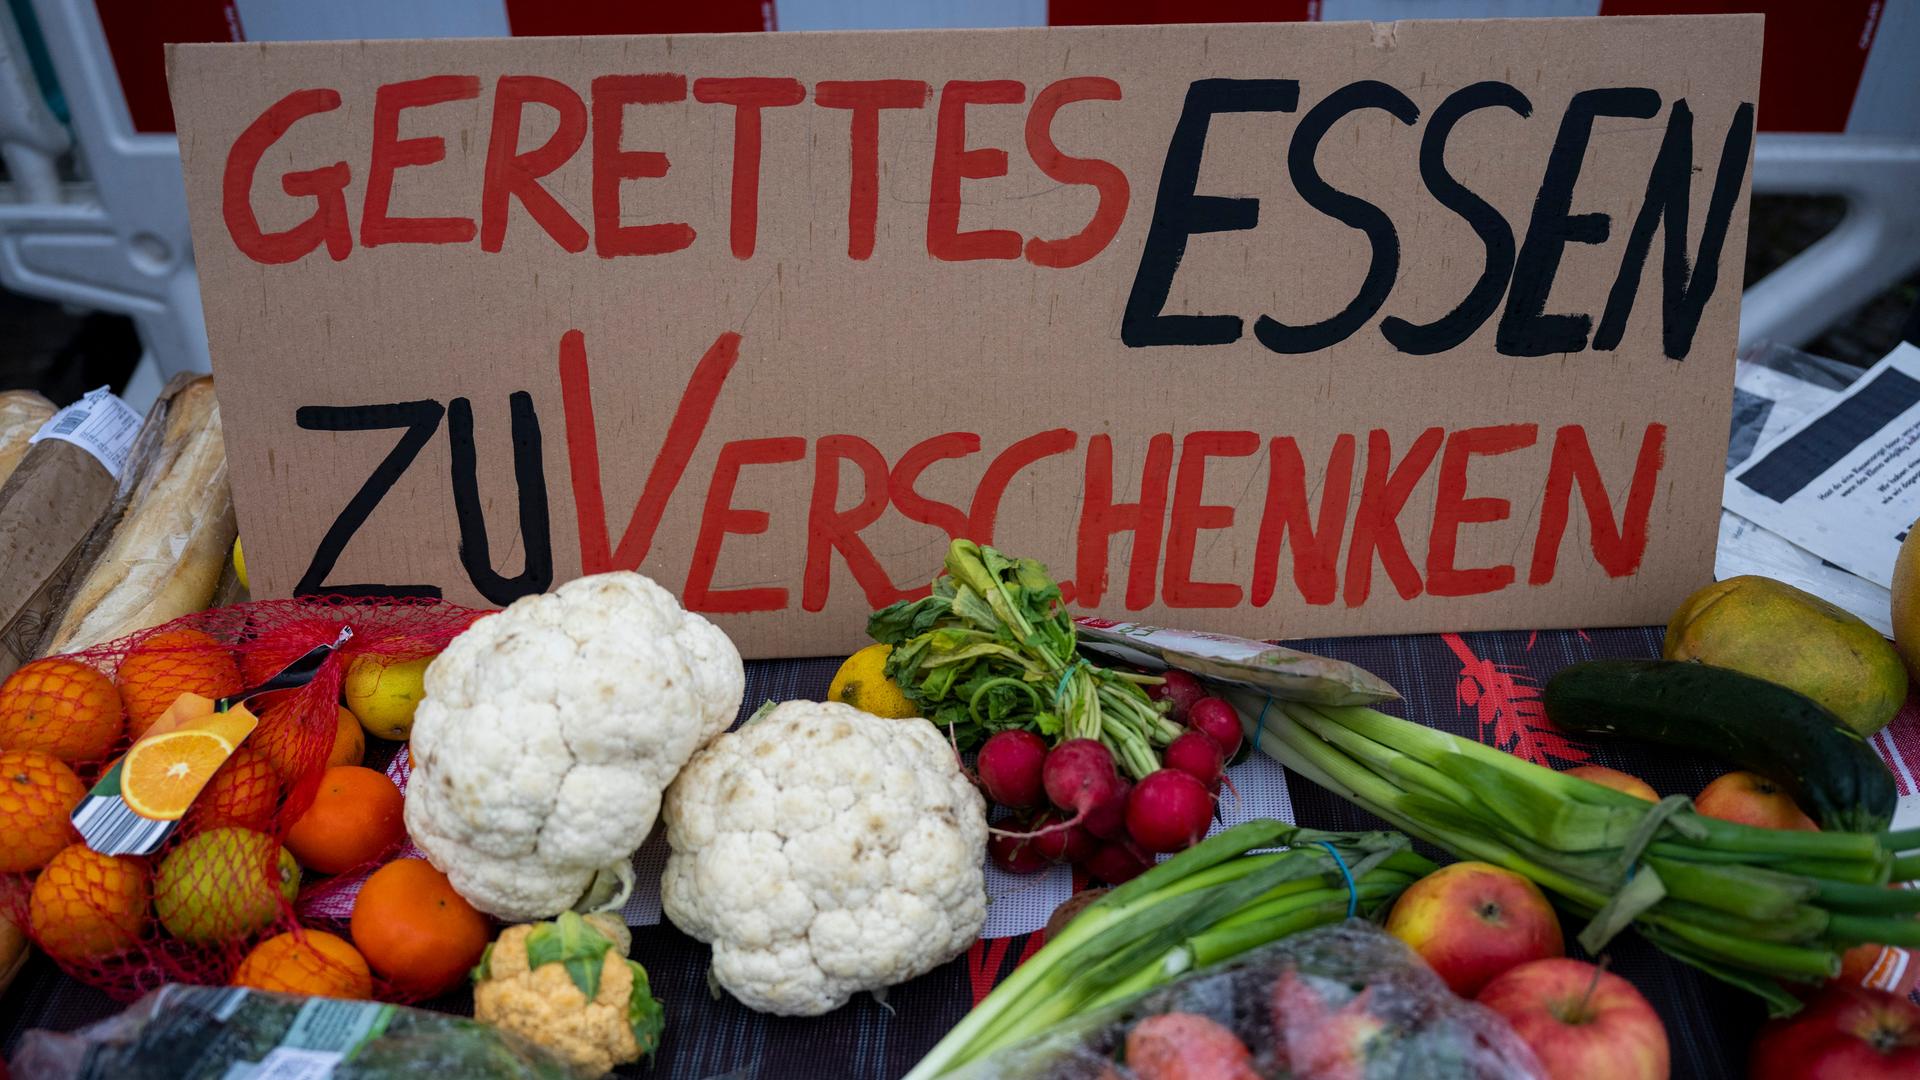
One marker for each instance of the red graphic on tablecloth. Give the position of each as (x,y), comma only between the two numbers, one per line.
(987,960)
(1898,744)
(1509,710)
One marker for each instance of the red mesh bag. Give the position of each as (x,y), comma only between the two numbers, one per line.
(223,889)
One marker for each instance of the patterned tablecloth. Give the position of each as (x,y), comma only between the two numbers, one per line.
(1479,685)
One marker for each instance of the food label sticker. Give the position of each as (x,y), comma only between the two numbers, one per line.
(113,824)
(334,1026)
(292,1063)
(99,423)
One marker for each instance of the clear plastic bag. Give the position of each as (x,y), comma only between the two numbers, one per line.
(211,1033)
(1346,1002)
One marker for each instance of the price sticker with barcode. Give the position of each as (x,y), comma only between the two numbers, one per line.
(99,423)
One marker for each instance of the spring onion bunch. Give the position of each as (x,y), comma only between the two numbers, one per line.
(991,648)
(1751,906)
(1219,898)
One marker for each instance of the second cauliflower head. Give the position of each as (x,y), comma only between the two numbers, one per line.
(823,851)
(549,731)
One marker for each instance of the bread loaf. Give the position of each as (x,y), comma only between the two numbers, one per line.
(48,508)
(21,414)
(170,543)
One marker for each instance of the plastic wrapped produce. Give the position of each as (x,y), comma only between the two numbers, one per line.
(1345,1002)
(208,1033)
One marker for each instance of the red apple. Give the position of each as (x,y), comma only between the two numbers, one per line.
(1751,799)
(1472,920)
(1626,783)
(1845,1034)
(1582,1022)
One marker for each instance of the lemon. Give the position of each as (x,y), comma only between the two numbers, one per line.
(382,696)
(862,683)
(240,565)
(216,886)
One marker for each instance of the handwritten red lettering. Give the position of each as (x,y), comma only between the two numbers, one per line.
(748,97)
(511,174)
(1191,516)
(1376,523)
(906,472)
(328,222)
(391,153)
(676,450)
(953,162)
(830,529)
(1101,518)
(1316,547)
(1103,176)
(1617,548)
(1001,471)
(1452,509)
(611,165)
(720,517)
(866,99)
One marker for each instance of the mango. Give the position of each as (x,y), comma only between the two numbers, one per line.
(1906,601)
(1771,630)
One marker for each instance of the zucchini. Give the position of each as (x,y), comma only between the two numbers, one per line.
(1759,726)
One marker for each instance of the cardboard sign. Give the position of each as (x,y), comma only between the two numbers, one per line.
(1279,330)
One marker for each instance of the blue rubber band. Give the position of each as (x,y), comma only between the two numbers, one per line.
(1260,723)
(1353,891)
(1061,689)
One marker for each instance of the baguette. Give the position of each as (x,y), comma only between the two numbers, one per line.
(55,499)
(21,414)
(168,548)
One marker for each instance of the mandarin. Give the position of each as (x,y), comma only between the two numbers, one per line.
(61,707)
(86,905)
(355,817)
(37,793)
(292,746)
(306,962)
(173,662)
(349,741)
(245,792)
(419,934)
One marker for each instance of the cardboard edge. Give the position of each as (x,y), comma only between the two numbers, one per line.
(1351,26)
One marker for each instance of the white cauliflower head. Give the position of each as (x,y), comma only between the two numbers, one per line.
(823,851)
(548,732)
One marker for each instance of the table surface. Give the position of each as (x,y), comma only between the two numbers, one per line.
(1481,685)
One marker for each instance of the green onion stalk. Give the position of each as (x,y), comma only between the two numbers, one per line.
(1755,907)
(992,648)
(1214,901)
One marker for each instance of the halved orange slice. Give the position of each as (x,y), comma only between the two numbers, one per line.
(161,775)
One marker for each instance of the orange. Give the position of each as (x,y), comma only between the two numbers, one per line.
(349,741)
(415,930)
(173,662)
(61,707)
(160,777)
(354,819)
(37,793)
(86,905)
(306,962)
(244,792)
(292,745)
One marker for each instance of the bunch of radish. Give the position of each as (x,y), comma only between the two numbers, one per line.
(1073,806)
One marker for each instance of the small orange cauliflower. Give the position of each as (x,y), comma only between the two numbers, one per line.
(568,986)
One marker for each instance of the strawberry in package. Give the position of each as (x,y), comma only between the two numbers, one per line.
(155,791)
(1344,1002)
